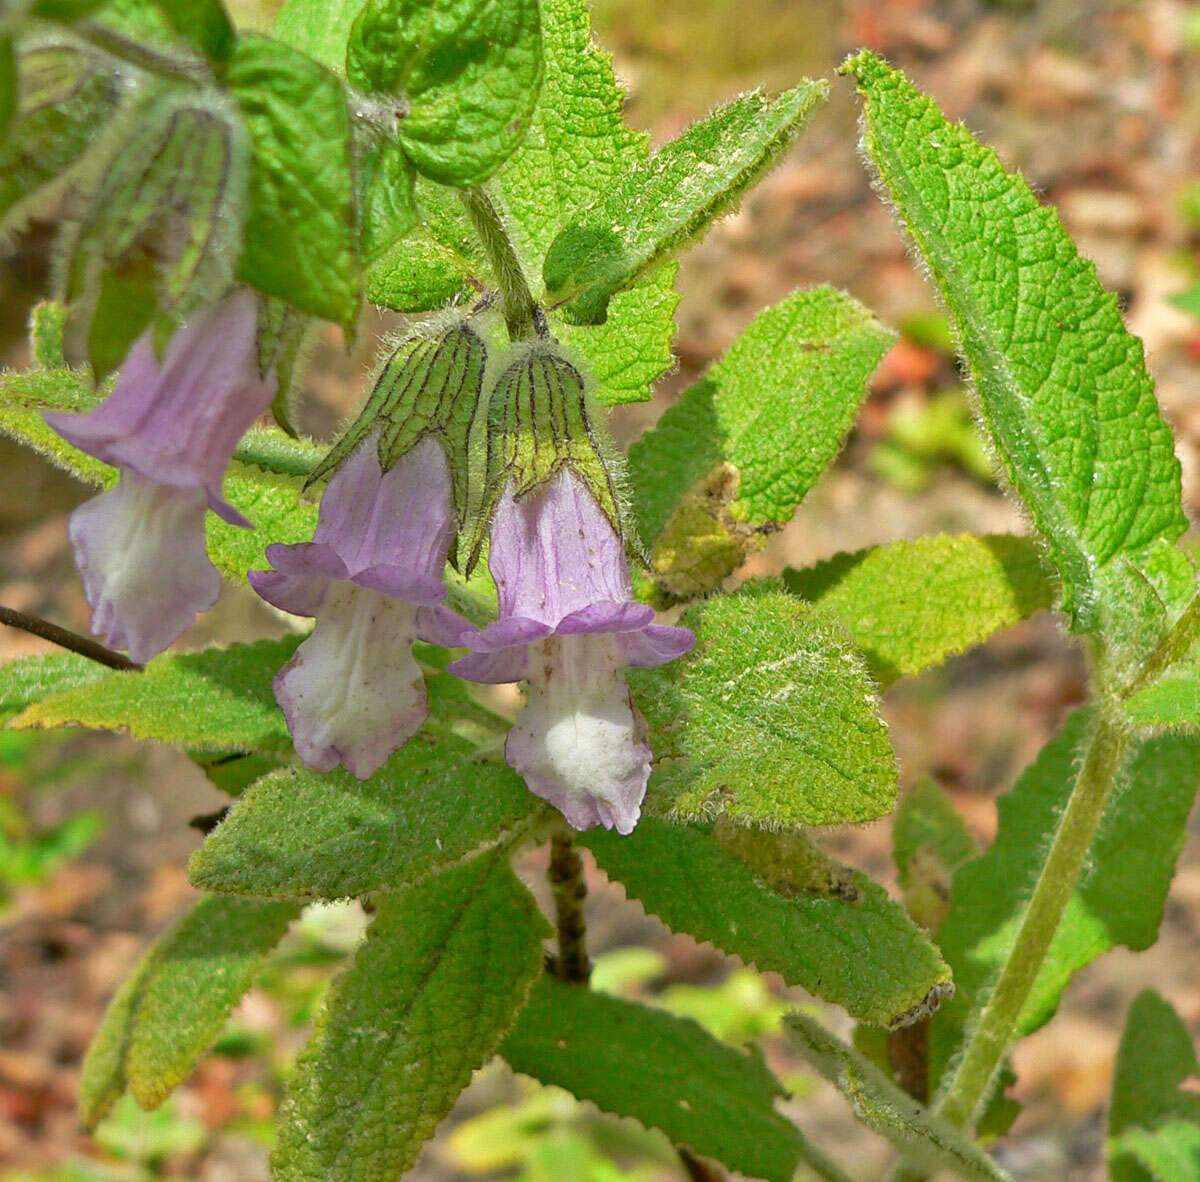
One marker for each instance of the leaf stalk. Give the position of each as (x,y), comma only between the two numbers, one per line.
(521,313)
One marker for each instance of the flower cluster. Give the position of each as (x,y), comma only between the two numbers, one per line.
(439,453)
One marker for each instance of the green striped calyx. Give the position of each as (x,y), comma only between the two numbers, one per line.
(155,232)
(540,421)
(431,384)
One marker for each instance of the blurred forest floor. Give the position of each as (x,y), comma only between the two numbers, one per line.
(1098,103)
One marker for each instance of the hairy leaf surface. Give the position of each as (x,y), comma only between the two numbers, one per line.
(30,679)
(1151,1119)
(176,1000)
(850,945)
(1062,384)
(925,1138)
(214,699)
(303,834)
(777,407)
(666,1072)
(910,605)
(443,972)
(300,234)
(319,28)
(771,721)
(466,71)
(577,147)
(673,198)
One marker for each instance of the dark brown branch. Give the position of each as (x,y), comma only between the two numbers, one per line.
(697,1168)
(566,881)
(85,646)
(207,822)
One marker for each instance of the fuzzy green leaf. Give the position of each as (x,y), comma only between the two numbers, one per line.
(466,71)
(8,83)
(175,1001)
(24,395)
(851,945)
(214,699)
(418,274)
(673,198)
(1174,700)
(1151,1118)
(1171,1153)
(319,28)
(1119,898)
(777,407)
(30,679)
(202,24)
(926,1139)
(301,834)
(66,93)
(1062,384)
(577,147)
(930,841)
(387,210)
(771,721)
(300,234)
(666,1072)
(910,605)
(927,820)
(272,505)
(436,263)
(444,971)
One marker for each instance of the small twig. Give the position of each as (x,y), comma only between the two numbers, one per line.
(697,1168)
(85,646)
(565,874)
(207,822)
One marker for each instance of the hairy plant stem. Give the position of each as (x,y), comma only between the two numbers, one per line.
(520,309)
(85,646)
(989,1037)
(565,874)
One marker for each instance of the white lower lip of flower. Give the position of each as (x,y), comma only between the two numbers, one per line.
(141,552)
(577,742)
(353,693)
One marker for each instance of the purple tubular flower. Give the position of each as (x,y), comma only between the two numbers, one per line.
(568,626)
(171,427)
(372,577)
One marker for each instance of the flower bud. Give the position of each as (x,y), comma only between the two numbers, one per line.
(156,233)
(66,92)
